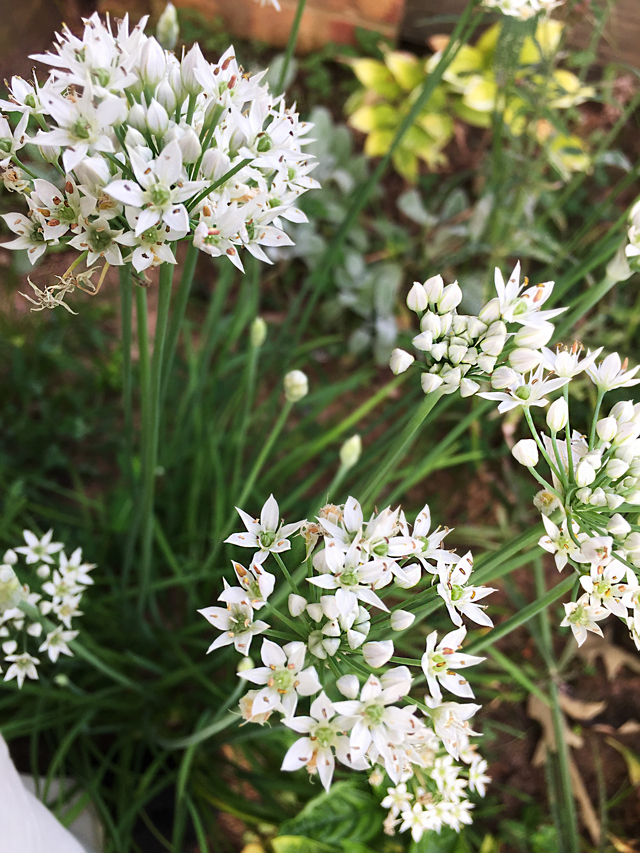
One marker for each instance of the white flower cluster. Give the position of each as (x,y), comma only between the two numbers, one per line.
(24,613)
(339,625)
(632,249)
(461,350)
(150,150)
(523,9)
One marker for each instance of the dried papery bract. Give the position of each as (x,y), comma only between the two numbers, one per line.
(359,715)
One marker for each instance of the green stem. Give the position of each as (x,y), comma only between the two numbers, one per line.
(594,422)
(214,186)
(567,432)
(151,431)
(126,298)
(401,446)
(291,45)
(179,310)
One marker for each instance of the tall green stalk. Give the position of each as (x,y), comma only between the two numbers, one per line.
(291,45)
(126,299)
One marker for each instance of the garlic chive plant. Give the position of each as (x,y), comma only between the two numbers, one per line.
(329,670)
(40,594)
(150,150)
(590,476)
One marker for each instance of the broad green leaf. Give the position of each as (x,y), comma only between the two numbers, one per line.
(345,813)
(299,844)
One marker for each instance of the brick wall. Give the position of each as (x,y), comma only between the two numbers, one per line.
(323,20)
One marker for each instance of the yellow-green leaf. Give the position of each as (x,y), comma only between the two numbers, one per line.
(378,117)
(480,95)
(406,68)
(376,76)
(378,143)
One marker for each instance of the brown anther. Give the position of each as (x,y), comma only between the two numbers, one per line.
(68,187)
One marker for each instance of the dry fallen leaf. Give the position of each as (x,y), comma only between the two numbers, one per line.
(613,657)
(631,759)
(580,710)
(623,846)
(537,710)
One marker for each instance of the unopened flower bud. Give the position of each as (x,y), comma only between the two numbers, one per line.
(417,298)
(534,338)
(523,360)
(493,345)
(616,468)
(400,361)
(296,386)
(43,571)
(525,452)
(438,351)
(430,382)
(168,29)
(433,288)
(618,526)
(431,323)
(315,611)
(138,118)
(607,428)
(245,664)
(296,604)
(468,388)
(166,96)
(215,164)
(450,299)
(188,68)
(491,311)
(349,686)
(50,154)
(190,146)
(503,377)
(585,473)
(152,62)
(622,411)
(350,451)
(258,333)
(557,415)
(157,118)
(487,363)
(423,341)
(10,557)
(626,433)
(378,653)
(412,575)
(401,619)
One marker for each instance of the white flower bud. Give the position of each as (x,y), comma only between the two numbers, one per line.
(413,573)
(632,544)
(493,345)
(423,341)
(297,604)
(491,311)
(349,686)
(190,146)
(558,415)
(585,473)
(632,498)
(523,360)
(450,299)
(315,612)
(607,428)
(50,154)
(9,647)
(438,351)
(430,382)
(166,96)
(503,377)
(35,629)
(487,363)
(350,451)
(525,452)
(618,525)
(157,118)
(456,353)
(400,361)
(138,118)
(433,288)
(43,571)
(468,388)
(431,323)
(534,338)
(153,64)
(626,433)
(598,497)
(616,468)
(401,619)
(378,653)
(622,411)
(475,327)
(168,29)
(258,333)
(10,557)
(245,664)
(215,164)
(417,298)
(296,386)
(188,68)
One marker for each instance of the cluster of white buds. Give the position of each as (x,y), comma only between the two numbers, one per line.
(632,249)
(459,351)
(523,9)
(150,150)
(347,599)
(40,618)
